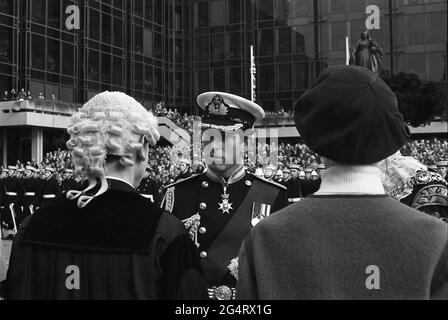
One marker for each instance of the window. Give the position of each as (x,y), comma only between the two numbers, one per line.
(118,32)
(158,11)
(148,9)
(338,32)
(105,68)
(38,52)
(138,76)
(219,80)
(201,48)
(301,76)
(284,9)
(234,11)
(218,13)
(218,47)
(138,8)
(67,94)
(416,29)
(106,29)
(38,11)
(138,40)
(284,40)
(235,80)
(148,43)
(5,83)
(158,80)
(284,77)
(266,80)
(6,43)
(178,17)
(338,5)
(7,6)
(304,8)
(178,84)
(94,25)
(53,55)
(157,45)
(68,59)
(266,42)
(201,14)
(148,78)
(178,50)
(93,69)
(54,11)
(118,72)
(202,81)
(235,45)
(265,9)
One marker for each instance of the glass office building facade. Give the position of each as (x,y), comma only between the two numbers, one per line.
(173,50)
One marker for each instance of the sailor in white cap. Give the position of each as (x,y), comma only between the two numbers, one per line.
(219,207)
(30,187)
(11,203)
(68,182)
(51,190)
(184,169)
(269,172)
(149,188)
(442,168)
(279,176)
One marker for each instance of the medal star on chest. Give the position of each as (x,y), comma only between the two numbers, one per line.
(225,206)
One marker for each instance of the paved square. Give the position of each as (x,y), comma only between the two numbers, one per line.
(5,252)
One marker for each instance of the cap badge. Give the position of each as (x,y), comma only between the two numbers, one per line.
(218,107)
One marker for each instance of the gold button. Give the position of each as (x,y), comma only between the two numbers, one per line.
(202,230)
(203,254)
(248,183)
(203,206)
(205,184)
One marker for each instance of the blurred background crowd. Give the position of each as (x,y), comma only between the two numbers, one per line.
(165,161)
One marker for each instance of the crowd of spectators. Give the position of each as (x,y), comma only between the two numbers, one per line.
(21,95)
(164,161)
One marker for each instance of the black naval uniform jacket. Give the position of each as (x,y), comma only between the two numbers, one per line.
(49,187)
(30,191)
(69,185)
(149,189)
(120,247)
(294,192)
(218,235)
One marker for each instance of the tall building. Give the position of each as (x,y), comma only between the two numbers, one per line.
(173,50)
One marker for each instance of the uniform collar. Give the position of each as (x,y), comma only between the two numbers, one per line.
(236,176)
(119,184)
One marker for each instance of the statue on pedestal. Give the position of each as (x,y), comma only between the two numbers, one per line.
(367,53)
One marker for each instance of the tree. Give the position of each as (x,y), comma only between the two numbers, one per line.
(419,101)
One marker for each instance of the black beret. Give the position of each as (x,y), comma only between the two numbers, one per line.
(351,116)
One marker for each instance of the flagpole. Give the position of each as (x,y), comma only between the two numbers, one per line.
(253,72)
(347,51)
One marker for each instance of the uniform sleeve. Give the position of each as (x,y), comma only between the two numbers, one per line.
(281,201)
(439,287)
(246,288)
(181,271)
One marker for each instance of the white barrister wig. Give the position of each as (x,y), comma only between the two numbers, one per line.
(111,123)
(397,172)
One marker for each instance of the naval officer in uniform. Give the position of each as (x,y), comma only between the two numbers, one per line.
(219,207)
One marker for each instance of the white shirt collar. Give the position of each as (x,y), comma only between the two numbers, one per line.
(352,179)
(118,179)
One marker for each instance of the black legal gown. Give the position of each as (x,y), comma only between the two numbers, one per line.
(123,247)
